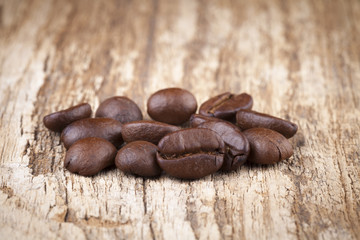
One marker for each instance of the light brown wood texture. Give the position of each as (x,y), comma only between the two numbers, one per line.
(300,60)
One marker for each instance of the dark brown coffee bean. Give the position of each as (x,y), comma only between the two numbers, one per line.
(267,146)
(89,156)
(246,119)
(119,108)
(171,105)
(105,128)
(57,121)
(226,105)
(191,153)
(150,131)
(237,145)
(138,158)
(198,119)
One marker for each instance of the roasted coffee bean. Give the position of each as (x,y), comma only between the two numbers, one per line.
(237,145)
(119,108)
(191,153)
(246,119)
(267,146)
(171,105)
(226,105)
(145,130)
(57,121)
(89,156)
(138,158)
(106,128)
(198,119)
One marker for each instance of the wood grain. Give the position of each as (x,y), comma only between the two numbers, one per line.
(298,59)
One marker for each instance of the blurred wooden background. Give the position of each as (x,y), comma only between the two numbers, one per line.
(300,60)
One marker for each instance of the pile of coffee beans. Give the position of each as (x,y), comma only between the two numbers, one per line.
(223,136)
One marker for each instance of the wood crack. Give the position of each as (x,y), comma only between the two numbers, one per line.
(150,49)
(191,216)
(219,209)
(146,211)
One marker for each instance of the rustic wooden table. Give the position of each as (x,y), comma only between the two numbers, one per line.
(299,60)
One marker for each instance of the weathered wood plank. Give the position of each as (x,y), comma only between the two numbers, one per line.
(299,60)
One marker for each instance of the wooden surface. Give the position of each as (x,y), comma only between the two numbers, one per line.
(299,60)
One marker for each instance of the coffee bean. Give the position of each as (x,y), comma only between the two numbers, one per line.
(198,119)
(226,105)
(145,130)
(246,119)
(106,128)
(57,121)
(119,108)
(267,146)
(237,145)
(138,158)
(89,156)
(191,153)
(171,105)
